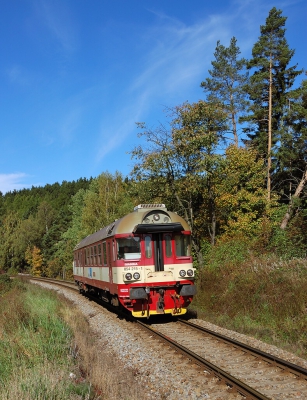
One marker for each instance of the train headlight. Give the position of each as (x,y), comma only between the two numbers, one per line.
(182,273)
(136,275)
(190,272)
(156,217)
(128,276)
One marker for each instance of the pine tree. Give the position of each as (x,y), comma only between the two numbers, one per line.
(293,157)
(268,87)
(226,85)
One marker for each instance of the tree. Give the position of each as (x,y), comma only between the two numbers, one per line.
(241,200)
(226,85)
(293,159)
(35,260)
(10,257)
(179,162)
(106,200)
(268,87)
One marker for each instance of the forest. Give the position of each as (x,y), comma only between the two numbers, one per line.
(233,164)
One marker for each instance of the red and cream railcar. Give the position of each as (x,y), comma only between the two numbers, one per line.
(142,262)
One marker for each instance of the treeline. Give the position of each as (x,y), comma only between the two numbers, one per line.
(233,165)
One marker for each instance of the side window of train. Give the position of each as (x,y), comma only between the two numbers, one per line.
(114,250)
(87,256)
(95,255)
(104,246)
(168,245)
(109,253)
(99,255)
(148,247)
(92,256)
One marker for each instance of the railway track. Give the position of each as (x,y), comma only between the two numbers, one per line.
(249,371)
(67,284)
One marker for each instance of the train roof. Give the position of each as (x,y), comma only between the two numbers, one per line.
(146,218)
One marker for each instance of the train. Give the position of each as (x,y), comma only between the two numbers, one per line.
(141,262)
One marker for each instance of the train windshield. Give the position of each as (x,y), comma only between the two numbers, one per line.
(128,248)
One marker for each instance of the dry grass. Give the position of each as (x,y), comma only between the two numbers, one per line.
(47,351)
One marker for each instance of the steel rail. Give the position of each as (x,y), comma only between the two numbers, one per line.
(296,370)
(67,284)
(234,383)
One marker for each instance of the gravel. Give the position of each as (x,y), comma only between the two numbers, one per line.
(164,374)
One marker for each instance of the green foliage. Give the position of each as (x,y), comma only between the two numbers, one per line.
(241,199)
(5,283)
(12,271)
(290,243)
(34,217)
(230,253)
(104,202)
(226,85)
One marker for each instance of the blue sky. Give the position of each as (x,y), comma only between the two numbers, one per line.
(77,75)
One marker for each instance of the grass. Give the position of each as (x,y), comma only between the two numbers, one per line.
(263,296)
(47,351)
(35,361)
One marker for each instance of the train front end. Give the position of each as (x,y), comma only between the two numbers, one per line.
(154,269)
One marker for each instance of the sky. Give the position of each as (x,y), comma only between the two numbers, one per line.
(76,75)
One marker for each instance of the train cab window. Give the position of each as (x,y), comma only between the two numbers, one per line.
(99,261)
(168,245)
(128,248)
(104,246)
(183,245)
(148,247)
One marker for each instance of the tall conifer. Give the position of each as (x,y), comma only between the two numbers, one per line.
(268,87)
(228,77)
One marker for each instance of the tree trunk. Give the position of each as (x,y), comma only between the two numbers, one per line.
(269,135)
(296,195)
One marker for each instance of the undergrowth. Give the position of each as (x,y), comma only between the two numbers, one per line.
(263,295)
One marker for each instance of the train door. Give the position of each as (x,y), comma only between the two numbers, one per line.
(158,251)
(110,261)
(154,254)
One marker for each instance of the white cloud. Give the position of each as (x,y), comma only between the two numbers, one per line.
(17,75)
(10,182)
(58,19)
